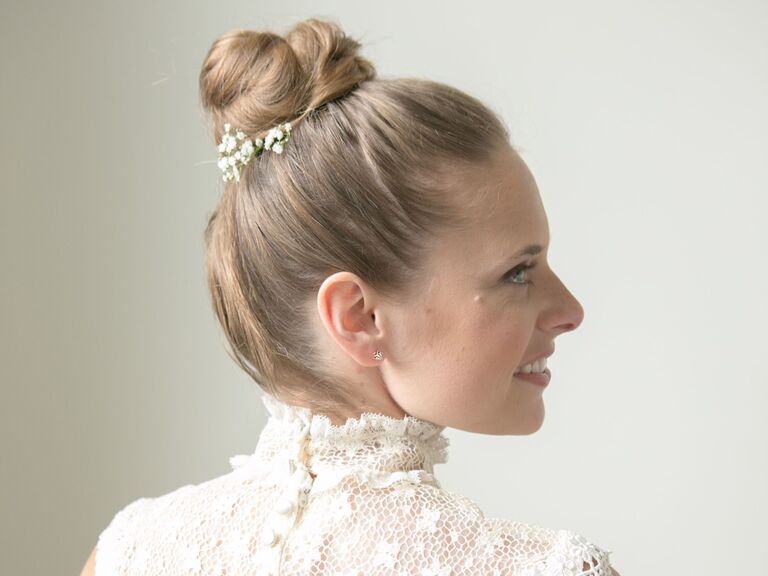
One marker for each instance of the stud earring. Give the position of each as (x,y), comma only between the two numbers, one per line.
(377,355)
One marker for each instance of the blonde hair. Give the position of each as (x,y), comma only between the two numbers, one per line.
(364,185)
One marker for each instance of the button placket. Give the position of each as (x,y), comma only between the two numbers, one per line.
(293,498)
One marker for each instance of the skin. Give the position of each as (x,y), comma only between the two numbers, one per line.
(449,354)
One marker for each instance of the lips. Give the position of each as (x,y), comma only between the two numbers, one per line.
(541,379)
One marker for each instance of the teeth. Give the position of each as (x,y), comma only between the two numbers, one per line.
(537,366)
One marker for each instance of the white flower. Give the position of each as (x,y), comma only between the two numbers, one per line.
(428,520)
(436,569)
(491,538)
(230,163)
(409,492)
(342,507)
(312,549)
(532,571)
(386,554)
(236,545)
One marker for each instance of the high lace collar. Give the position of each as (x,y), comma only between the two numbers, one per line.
(371,443)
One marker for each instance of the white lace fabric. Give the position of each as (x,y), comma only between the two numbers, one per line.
(316,499)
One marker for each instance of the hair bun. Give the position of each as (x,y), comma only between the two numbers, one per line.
(329,59)
(256,79)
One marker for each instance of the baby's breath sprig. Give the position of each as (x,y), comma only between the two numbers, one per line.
(232,159)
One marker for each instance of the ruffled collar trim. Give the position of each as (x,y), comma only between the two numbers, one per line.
(365,427)
(372,442)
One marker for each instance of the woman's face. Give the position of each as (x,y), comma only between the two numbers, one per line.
(450,354)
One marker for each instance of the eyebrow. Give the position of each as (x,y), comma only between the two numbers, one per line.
(531,249)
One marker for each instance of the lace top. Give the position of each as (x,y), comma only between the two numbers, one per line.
(320,499)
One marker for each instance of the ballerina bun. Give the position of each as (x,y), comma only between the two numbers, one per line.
(256,79)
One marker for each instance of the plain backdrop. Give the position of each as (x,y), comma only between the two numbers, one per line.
(645,124)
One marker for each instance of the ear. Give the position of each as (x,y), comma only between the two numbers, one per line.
(345,304)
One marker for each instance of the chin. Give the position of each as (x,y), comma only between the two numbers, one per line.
(531,425)
(519,427)
(532,429)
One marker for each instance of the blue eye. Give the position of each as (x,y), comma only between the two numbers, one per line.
(518,270)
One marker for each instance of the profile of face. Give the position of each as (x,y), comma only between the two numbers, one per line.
(490,305)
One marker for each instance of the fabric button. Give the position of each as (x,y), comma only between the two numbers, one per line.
(270,537)
(284,506)
(305,481)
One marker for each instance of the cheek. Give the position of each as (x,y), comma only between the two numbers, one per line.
(462,358)
(516,335)
(499,331)
(484,349)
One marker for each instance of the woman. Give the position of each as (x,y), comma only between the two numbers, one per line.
(378,264)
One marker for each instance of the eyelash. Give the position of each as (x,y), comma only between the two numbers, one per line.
(520,268)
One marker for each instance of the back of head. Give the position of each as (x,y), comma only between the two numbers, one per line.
(364,185)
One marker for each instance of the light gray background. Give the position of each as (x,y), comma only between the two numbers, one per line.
(645,125)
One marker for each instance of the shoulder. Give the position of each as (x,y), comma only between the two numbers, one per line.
(116,542)
(464,540)
(149,528)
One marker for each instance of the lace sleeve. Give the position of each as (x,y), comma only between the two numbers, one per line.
(539,551)
(502,547)
(117,539)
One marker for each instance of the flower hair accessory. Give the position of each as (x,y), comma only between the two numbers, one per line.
(232,159)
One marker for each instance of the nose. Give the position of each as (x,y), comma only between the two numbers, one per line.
(564,313)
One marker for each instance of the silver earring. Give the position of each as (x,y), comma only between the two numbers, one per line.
(377,355)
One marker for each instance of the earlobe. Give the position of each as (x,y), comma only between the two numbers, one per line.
(344,302)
